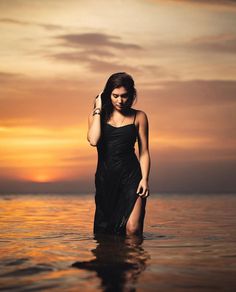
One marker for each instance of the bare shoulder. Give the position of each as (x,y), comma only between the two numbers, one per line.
(141,117)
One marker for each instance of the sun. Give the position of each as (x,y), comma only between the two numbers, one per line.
(41,178)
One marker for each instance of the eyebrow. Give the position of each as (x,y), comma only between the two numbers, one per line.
(120,94)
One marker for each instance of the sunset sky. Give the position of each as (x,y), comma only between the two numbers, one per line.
(56,57)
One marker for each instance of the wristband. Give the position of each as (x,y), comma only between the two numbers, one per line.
(96,113)
(97,108)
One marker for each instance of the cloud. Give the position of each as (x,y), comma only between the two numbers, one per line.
(223,43)
(8,77)
(192,93)
(46,26)
(218,43)
(80,56)
(192,109)
(95,51)
(160,72)
(213,4)
(182,108)
(199,92)
(96,40)
(93,64)
(103,66)
(34,100)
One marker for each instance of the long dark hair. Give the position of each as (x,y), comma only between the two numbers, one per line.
(117,80)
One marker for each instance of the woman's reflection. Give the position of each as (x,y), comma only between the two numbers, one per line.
(119,261)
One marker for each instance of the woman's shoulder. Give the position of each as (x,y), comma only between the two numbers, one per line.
(141,118)
(140,114)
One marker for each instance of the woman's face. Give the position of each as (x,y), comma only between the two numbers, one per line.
(119,98)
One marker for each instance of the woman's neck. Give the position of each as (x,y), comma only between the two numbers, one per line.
(123,112)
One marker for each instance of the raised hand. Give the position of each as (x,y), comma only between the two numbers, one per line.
(98,101)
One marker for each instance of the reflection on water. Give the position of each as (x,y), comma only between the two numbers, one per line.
(118,261)
(47,244)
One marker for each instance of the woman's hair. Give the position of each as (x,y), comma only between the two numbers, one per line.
(117,80)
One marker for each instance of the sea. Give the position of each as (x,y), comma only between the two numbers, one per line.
(47,244)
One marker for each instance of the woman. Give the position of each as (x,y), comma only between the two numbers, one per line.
(121,179)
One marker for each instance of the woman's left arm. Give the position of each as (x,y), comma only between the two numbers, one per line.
(144,156)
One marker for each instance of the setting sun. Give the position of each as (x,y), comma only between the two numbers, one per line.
(41,178)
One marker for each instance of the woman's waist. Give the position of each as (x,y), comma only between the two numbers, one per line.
(121,152)
(118,160)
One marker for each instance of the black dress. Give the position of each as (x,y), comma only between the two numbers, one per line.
(117,177)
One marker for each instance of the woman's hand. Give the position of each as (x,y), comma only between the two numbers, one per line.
(98,101)
(143,189)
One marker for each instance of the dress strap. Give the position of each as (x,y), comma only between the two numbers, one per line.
(134,116)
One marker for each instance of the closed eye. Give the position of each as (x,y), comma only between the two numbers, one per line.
(122,95)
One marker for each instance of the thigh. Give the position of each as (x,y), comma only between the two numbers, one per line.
(136,217)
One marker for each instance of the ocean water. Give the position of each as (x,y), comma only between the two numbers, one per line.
(47,244)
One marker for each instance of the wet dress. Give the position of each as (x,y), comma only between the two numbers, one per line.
(117,178)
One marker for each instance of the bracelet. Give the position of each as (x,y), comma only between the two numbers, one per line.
(96,113)
(97,108)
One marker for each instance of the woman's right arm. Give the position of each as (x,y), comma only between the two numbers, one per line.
(94,123)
